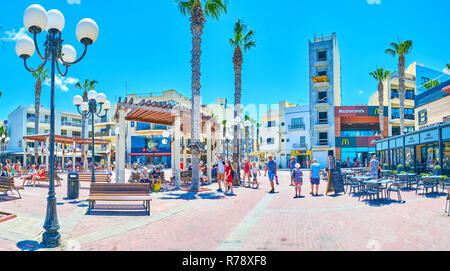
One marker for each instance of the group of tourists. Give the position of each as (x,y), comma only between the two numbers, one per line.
(145,175)
(226,173)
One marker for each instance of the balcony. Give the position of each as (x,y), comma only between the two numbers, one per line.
(299,146)
(322,124)
(33,119)
(408,77)
(321,64)
(322,103)
(323,142)
(321,82)
(296,126)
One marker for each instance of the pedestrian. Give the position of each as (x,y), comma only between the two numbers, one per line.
(297,176)
(255,172)
(271,168)
(229,172)
(315,177)
(292,164)
(374,167)
(221,173)
(246,172)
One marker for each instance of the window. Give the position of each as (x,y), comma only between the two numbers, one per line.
(76,134)
(143,126)
(409,94)
(271,123)
(63,132)
(30,131)
(321,73)
(321,55)
(323,117)
(282,124)
(270,140)
(297,123)
(282,140)
(409,113)
(323,98)
(323,138)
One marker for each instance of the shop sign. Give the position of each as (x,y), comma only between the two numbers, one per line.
(301,152)
(412,140)
(423,117)
(446,133)
(429,136)
(346,142)
(392,144)
(399,142)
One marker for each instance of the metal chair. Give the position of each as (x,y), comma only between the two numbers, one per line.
(428,183)
(394,187)
(370,190)
(353,186)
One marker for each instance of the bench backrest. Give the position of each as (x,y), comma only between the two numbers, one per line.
(119,189)
(135,176)
(6,183)
(99,177)
(185,174)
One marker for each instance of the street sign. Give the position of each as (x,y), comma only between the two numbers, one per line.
(335,182)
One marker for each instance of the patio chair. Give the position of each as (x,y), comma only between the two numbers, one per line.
(394,187)
(353,186)
(428,183)
(370,190)
(403,180)
(445,183)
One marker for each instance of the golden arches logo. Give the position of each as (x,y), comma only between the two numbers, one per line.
(377,111)
(345,142)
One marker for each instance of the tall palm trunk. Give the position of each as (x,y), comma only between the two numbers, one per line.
(37,105)
(197,23)
(401,91)
(224,140)
(381,107)
(237,61)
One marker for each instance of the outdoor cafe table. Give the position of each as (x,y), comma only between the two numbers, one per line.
(408,180)
(436,178)
(383,184)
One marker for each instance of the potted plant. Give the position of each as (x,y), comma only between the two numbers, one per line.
(385,166)
(437,170)
(400,167)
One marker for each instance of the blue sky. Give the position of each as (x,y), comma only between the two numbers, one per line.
(147,44)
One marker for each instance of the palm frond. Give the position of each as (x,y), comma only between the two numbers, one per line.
(390,52)
(185,6)
(214,8)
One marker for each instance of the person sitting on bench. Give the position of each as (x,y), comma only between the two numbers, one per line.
(156,176)
(30,175)
(39,175)
(145,176)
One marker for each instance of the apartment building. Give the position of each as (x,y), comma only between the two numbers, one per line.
(324,95)
(298,140)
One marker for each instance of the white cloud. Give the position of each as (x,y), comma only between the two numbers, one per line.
(371,2)
(62,83)
(71,2)
(12,35)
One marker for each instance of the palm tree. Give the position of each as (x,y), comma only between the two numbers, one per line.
(198,10)
(40,76)
(86,86)
(224,133)
(243,39)
(381,75)
(431,84)
(401,49)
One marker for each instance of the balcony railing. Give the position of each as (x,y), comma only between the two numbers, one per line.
(323,121)
(323,142)
(296,126)
(323,100)
(299,146)
(32,119)
(321,79)
(408,76)
(407,116)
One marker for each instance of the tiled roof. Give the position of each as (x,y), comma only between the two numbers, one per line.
(432,94)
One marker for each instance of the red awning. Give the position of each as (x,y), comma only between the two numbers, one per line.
(150,154)
(446,89)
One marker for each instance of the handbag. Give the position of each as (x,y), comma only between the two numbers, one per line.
(157,187)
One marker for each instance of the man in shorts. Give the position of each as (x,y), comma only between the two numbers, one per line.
(271,167)
(220,173)
(292,167)
(315,177)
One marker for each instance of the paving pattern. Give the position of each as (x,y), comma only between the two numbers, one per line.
(250,220)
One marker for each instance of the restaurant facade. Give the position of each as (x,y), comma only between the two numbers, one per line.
(419,151)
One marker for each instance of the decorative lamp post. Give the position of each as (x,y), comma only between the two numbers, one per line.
(247,124)
(36,20)
(96,102)
(4,142)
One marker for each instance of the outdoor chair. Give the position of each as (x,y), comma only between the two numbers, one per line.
(370,190)
(394,187)
(428,183)
(403,180)
(445,183)
(353,186)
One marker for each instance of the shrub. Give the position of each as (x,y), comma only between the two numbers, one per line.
(424,174)
(385,166)
(437,170)
(402,172)
(400,167)
(395,172)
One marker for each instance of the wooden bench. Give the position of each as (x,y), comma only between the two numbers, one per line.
(7,184)
(186,176)
(99,177)
(46,178)
(120,192)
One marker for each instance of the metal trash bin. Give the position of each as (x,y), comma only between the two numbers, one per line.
(73,185)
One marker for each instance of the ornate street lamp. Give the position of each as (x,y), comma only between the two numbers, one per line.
(97,102)
(4,142)
(36,20)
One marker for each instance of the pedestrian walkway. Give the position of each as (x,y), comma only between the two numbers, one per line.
(251,220)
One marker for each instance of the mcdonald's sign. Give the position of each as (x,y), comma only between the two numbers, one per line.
(346,142)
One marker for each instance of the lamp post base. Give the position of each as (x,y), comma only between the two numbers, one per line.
(51,239)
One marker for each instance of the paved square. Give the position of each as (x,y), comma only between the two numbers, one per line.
(251,220)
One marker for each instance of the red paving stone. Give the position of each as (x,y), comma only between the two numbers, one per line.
(251,220)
